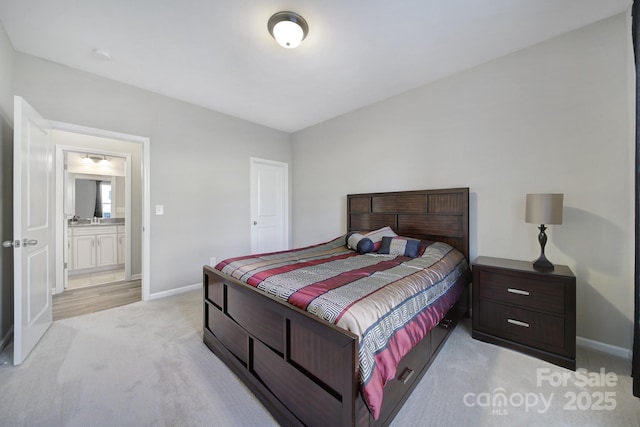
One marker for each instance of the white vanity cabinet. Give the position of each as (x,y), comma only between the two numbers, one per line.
(106,249)
(93,247)
(83,251)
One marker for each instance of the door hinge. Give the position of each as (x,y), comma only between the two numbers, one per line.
(65,265)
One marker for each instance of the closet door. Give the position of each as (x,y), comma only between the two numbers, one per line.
(269,206)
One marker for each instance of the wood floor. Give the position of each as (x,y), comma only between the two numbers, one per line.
(75,302)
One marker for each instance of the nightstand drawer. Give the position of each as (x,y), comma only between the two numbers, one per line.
(541,330)
(524,291)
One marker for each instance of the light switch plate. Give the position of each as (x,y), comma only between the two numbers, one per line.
(159,210)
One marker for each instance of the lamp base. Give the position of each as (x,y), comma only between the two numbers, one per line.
(542,264)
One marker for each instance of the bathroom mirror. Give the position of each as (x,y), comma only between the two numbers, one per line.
(93,197)
(85,188)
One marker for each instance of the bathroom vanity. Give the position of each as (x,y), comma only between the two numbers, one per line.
(95,247)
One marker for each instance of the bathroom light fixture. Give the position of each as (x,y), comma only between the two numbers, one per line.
(95,159)
(288,28)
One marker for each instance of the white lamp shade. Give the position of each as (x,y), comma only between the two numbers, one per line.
(544,208)
(288,34)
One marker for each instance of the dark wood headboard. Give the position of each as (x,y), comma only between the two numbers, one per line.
(438,215)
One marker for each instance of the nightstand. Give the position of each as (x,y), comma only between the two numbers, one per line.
(518,307)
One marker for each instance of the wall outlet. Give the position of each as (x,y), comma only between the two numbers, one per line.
(212,262)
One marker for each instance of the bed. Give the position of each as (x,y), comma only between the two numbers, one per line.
(290,352)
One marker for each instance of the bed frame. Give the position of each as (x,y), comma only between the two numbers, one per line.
(305,370)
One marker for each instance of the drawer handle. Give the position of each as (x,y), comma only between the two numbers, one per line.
(518,323)
(445,323)
(406,374)
(517,291)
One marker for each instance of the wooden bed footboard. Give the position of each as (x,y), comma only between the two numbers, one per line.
(302,369)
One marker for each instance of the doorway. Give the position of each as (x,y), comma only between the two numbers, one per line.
(96,187)
(128,178)
(99,210)
(101,262)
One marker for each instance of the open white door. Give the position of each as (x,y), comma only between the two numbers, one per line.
(269,206)
(33,231)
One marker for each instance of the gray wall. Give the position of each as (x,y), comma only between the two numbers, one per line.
(6,183)
(199,161)
(555,117)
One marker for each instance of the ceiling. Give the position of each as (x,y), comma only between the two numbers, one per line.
(218,53)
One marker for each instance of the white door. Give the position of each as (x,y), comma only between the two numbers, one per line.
(269,206)
(33,231)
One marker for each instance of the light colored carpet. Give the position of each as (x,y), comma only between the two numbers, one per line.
(144,364)
(468,379)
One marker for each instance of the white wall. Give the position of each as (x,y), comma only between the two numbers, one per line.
(199,161)
(551,118)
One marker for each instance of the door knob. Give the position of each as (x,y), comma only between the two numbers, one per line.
(11,244)
(32,242)
(255,222)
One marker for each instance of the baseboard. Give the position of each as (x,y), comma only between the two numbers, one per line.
(6,339)
(175,291)
(613,350)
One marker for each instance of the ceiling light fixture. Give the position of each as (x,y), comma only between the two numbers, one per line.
(104,161)
(288,29)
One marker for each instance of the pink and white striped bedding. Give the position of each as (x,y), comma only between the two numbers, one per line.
(391,302)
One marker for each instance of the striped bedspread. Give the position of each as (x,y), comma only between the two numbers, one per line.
(390,302)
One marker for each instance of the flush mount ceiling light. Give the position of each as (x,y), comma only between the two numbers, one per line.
(288,28)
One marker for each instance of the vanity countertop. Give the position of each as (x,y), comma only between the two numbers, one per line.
(104,223)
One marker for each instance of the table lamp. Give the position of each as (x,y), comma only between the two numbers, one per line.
(543,209)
